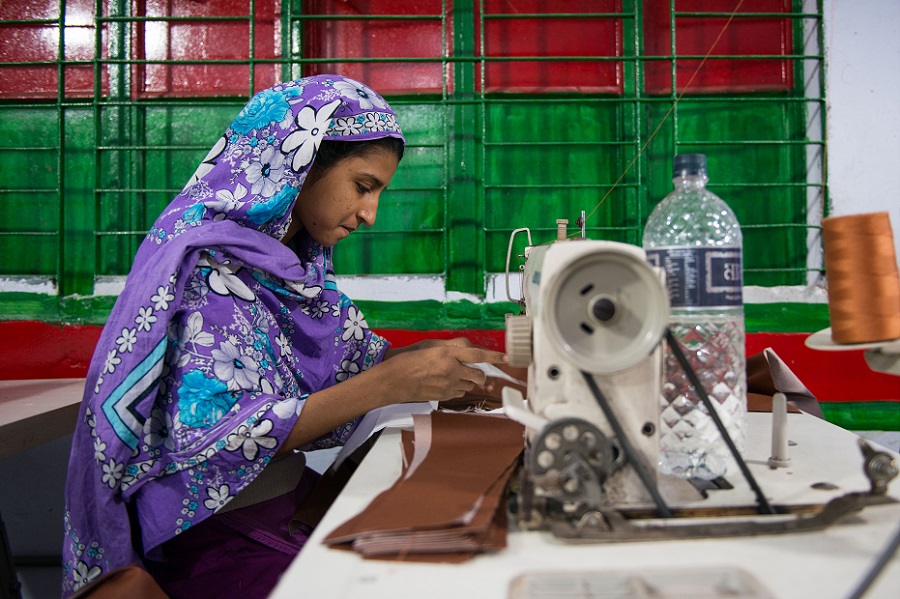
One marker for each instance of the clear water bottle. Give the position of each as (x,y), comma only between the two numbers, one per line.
(694,236)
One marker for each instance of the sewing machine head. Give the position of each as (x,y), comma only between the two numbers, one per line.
(594,317)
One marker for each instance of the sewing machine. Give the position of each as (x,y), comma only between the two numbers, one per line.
(592,331)
(594,317)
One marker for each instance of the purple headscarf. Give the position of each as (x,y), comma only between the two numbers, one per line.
(220,334)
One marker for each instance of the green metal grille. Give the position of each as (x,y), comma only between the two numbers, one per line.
(85,171)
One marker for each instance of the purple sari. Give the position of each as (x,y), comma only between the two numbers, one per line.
(220,334)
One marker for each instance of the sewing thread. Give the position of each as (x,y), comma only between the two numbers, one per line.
(863,281)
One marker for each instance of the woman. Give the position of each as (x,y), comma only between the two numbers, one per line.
(231,346)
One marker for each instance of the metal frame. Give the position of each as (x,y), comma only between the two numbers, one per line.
(116,131)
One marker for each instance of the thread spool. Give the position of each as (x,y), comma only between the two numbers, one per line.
(863,281)
(561,227)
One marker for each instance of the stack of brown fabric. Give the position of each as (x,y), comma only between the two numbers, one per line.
(448,503)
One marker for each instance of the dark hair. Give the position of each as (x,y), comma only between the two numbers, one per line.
(332,151)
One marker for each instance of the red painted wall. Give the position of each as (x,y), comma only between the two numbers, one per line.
(39,350)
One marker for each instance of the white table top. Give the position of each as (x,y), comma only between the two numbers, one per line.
(33,412)
(825,564)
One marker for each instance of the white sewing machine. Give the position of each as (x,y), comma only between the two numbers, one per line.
(595,315)
(591,332)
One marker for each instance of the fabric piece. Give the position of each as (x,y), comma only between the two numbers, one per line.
(221,332)
(485,530)
(768,374)
(447,503)
(241,553)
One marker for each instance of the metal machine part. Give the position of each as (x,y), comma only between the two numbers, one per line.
(880,467)
(592,329)
(571,459)
(607,309)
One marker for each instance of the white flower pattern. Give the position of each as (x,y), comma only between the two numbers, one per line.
(162,298)
(158,430)
(99,449)
(145,318)
(284,343)
(249,439)
(84,574)
(112,360)
(126,340)
(265,175)
(366,97)
(355,325)
(349,367)
(112,473)
(223,278)
(237,369)
(347,126)
(311,127)
(217,498)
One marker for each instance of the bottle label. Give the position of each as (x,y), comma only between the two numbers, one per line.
(701,277)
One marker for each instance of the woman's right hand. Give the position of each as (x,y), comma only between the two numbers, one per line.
(428,371)
(437,371)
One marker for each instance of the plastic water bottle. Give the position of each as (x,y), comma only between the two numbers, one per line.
(694,236)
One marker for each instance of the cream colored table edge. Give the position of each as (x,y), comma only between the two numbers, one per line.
(33,412)
(823,565)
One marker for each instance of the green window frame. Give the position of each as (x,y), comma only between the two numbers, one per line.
(83,175)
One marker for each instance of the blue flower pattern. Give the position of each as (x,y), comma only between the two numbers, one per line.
(274,207)
(269,106)
(203,401)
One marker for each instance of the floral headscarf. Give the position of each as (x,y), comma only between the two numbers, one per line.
(220,334)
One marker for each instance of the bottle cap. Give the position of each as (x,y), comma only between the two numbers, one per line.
(689,164)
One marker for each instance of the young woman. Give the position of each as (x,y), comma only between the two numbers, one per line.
(231,346)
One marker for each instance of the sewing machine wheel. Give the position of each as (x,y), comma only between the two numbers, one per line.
(608,311)
(572,457)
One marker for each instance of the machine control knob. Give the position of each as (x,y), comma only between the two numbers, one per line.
(518,340)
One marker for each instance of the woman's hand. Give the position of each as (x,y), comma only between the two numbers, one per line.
(436,370)
(490,396)
(431,370)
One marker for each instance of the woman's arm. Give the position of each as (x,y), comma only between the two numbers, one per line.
(429,372)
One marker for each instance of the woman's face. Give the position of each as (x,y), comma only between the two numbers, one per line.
(331,205)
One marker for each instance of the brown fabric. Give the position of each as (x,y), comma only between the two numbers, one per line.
(132,582)
(448,503)
(757,402)
(485,532)
(768,374)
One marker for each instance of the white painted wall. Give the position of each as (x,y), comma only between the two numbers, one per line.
(862,44)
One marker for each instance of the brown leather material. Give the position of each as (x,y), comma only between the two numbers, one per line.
(757,402)
(768,374)
(448,503)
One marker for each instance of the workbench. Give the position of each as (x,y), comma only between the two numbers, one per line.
(825,462)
